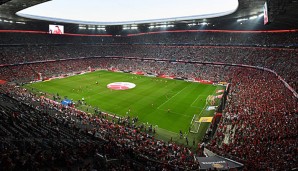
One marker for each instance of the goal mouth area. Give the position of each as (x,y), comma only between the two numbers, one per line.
(197,121)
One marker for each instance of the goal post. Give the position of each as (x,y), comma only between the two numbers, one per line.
(198,119)
(197,123)
(194,125)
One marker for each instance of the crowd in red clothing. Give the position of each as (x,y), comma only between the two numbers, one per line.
(122,140)
(194,38)
(281,60)
(30,72)
(259,124)
(261,112)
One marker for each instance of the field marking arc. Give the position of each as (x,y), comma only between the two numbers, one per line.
(159,107)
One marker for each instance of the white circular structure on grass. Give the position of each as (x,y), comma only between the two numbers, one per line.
(121,85)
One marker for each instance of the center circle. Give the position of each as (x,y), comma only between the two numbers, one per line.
(121,85)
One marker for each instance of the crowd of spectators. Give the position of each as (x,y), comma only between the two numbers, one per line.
(30,72)
(32,139)
(185,37)
(258,127)
(75,136)
(281,60)
(218,38)
(260,110)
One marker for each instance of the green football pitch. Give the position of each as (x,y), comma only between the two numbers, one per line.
(169,105)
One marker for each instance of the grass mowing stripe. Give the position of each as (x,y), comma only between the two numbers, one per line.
(149,100)
(172,97)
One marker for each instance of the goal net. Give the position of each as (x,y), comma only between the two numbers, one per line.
(195,125)
(208,110)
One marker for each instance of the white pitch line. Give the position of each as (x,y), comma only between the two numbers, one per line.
(172,97)
(199,127)
(205,105)
(195,101)
(201,112)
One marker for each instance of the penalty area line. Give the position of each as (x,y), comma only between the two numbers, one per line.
(204,108)
(172,97)
(192,104)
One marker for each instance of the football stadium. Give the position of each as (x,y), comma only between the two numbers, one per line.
(154,85)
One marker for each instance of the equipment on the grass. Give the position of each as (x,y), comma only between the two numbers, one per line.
(210,100)
(196,123)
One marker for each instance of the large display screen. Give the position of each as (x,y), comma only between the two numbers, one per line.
(266,19)
(56,29)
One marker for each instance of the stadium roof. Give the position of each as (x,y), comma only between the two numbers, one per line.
(119,12)
(283,14)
